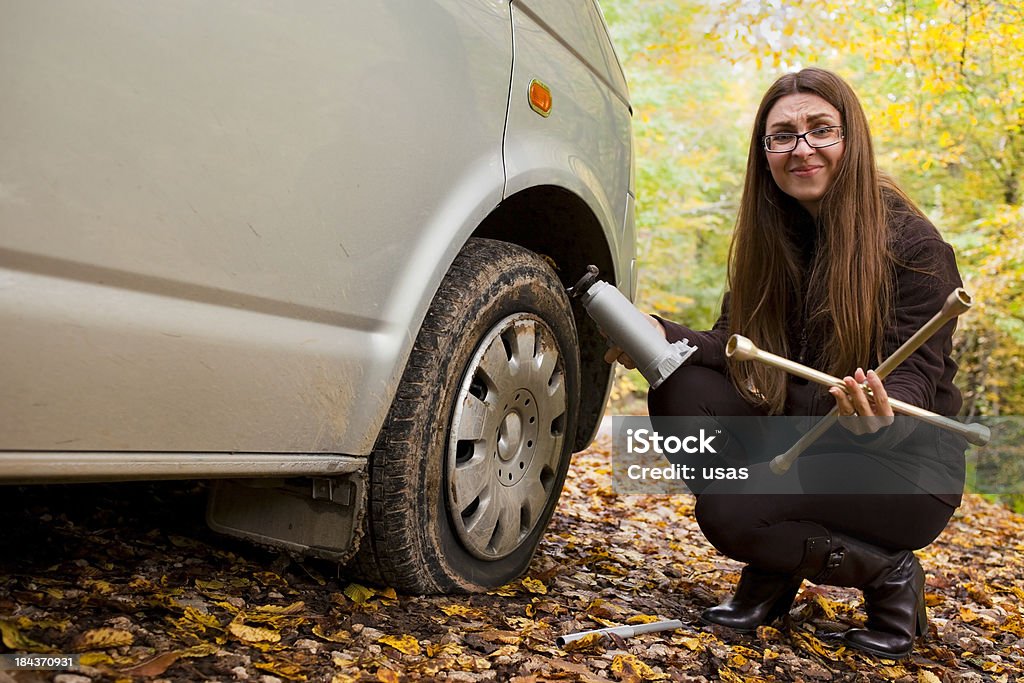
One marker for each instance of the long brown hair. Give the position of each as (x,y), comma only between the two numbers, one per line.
(847,291)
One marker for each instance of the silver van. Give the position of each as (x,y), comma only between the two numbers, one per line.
(317,253)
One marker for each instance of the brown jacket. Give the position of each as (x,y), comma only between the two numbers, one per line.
(925,274)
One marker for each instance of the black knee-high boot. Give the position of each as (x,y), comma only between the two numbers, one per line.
(760,598)
(893,585)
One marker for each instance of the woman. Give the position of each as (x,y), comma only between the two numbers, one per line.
(833,266)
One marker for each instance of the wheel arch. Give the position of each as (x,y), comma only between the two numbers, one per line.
(560,226)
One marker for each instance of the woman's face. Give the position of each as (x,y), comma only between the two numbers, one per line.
(806,173)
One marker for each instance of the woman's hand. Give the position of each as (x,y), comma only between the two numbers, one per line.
(615,353)
(860,412)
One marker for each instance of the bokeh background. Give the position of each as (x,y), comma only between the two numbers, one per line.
(943,85)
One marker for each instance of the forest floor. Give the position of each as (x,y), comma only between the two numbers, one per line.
(129,577)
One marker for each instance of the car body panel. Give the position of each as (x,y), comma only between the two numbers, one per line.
(582,145)
(217,229)
(221,224)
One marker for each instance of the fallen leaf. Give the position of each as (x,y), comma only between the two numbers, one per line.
(210,585)
(253,634)
(642,619)
(15,640)
(155,666)
(282,668)
(535,586)
(96,659)
(339,635)
(505,651)
(101,639)
(444,650)
(99,587)
(628,668)
(462,611)
(827,606)
(591,641)
(407,644)
(359,594)
(201,650)
(201,619)
(812,644)
(270,580)
(726,675)
(692,643)
(294,608)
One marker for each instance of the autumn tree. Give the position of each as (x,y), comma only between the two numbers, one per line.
(943,86)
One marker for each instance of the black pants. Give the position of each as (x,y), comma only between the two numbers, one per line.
(769,530)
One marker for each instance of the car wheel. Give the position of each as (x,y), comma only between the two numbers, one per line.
(471,460)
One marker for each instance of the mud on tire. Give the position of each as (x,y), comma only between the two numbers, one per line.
(473,454)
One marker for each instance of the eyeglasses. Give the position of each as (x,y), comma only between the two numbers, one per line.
(817,138)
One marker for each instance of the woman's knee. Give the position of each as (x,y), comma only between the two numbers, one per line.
(724,521)
(694,390)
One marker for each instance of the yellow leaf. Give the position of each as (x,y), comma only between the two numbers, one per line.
(587,642)
(201,619)
(505,651)
(444,649)
(891,673)
(812,644)
(461,611)
(642,619)
(826,605)
(359,594)
(925,676)
(534,586)
(472,663)
(253,634)
(294,608)
(270,579)
(729,676)
(691,643)
(95,659)
(385,675)
(16,640)
(339,635)
(201,650)
(285,669)
(211,585)
(99,587)
(407,644)
(389,593)
(967,616)
(738,661)
(101,639)
(627,666)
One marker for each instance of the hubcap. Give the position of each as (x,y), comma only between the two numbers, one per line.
(506,437)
